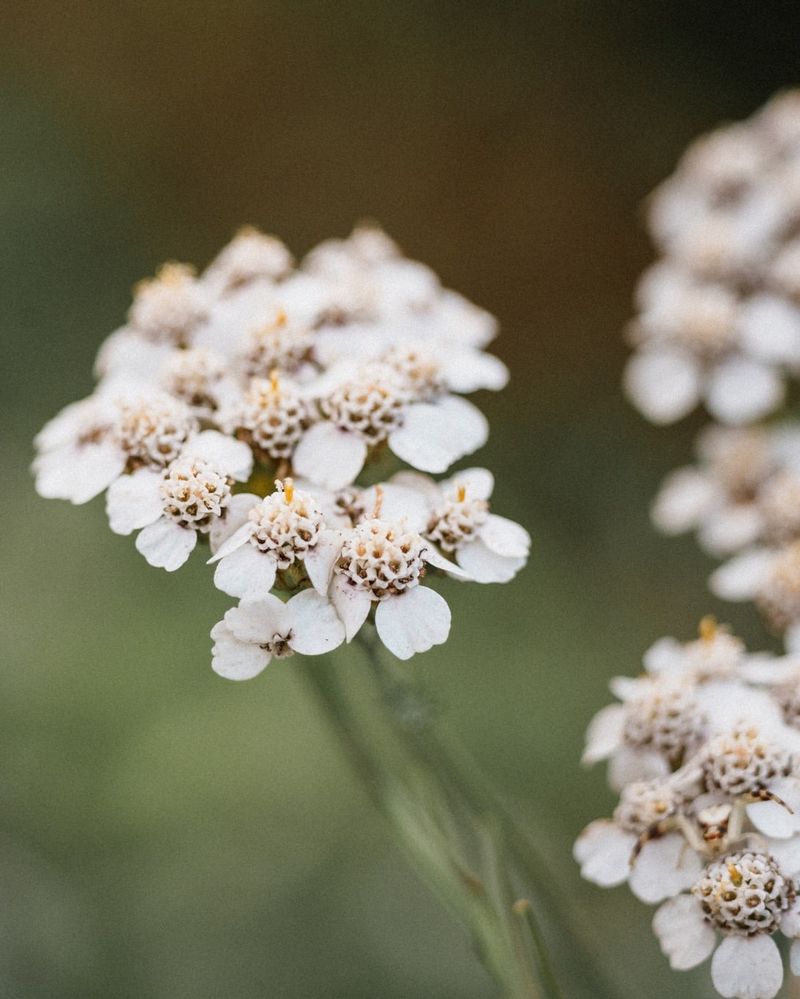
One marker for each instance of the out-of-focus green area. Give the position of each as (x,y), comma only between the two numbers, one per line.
(166,834)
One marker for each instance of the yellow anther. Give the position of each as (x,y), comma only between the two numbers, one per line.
(281,319)
(461,494)
(708,628)
(735,874)
(288,490)
(274,381)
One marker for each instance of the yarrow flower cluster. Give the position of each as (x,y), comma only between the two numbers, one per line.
(704,747)
(704,750)
(238,408)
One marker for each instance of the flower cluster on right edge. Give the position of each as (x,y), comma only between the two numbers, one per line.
(704,748)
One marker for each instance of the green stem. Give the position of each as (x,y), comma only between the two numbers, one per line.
(451,828)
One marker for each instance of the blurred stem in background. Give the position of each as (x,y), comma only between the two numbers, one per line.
(446,818)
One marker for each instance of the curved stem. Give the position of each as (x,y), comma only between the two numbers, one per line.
(445,817)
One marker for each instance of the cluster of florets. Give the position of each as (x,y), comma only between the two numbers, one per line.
(704,750)
(238,408)
(719,314)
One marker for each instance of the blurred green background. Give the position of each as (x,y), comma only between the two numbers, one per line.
(164,833)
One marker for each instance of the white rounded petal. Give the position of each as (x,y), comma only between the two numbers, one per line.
(773,819)
(328,456)
(742,576)
(740,391)
(351,605)
(629,764)
(505,537)
(233,659)
(663,385)
(665,656)
(684,498)
(604,733)
(134,501)
(485,566)
(730,529)
(246,573)
(769,329)
(790,921)
(747,968)
(316,627)
(434,435)
(127,351)
(477,482)
(78,473)
(664,867)
(685,937)
(413,621)
(424,484)
(791,639)
(258,621)
(604,852)
(466,371)
(319,560)
(226,454)
(235,516)
(787,853)
(166,544)
(399,504)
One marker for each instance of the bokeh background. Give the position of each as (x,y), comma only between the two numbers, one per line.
(163,833)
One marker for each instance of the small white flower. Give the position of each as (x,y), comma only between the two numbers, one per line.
(490,548)
(171,507)
(169,306)
(383,564)
(258,631)
(250,256)
(285,528)
(271,416)
(746,896)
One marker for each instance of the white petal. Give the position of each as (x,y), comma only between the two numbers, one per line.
(664,867)
(790,921)
(773,819)
(246,573)
(236,514)
(316,627)
(684,498)
(684,935)
(769,329)
(505,537)
(399,504)
(629,764)
(730,529)
(477,482)
(259,620)
(663,385)
(134,501)
(787,853)
(166,544)
(747,968)
(665,656)
(351,605)
(740,391)
(233,659)
(435,558)
(319,560)
(604,852)
(424,484)
(485,566)
(466,371)
(434,435)
(78,474)
(604,733)
(329,456)
(413,621)
(225,453)
(794,957)
(742,577)
(234,541)
(791,639)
